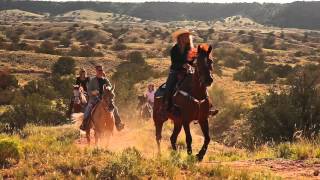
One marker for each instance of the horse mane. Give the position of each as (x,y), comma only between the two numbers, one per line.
(204,47)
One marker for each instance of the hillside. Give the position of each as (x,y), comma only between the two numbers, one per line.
(265,85)
(296,14)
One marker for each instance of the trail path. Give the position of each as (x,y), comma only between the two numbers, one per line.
(141,136)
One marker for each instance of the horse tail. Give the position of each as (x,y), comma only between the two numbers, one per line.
(77,118)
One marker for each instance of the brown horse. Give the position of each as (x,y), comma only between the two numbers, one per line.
(78,101)
(193,103)
(144,107)
(102,119)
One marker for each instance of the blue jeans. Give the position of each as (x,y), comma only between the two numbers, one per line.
(90,106)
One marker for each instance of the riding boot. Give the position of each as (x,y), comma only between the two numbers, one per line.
(118,123)
(85,124)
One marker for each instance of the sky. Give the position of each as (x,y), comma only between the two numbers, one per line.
(213,1)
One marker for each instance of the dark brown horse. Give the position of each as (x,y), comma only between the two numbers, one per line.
(144,107)
(193,103)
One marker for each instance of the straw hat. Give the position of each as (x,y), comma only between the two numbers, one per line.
(179,32)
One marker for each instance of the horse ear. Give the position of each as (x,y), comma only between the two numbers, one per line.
(210,49)
(199,47)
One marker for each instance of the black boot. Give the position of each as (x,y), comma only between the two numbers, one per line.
(85,124)
(118,123)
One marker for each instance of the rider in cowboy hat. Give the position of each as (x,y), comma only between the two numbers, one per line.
(181,56)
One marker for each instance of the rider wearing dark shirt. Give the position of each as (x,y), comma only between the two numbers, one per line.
(83,82)
(179,58)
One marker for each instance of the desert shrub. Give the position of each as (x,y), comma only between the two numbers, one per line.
(13,36)
(118,46)
(46,47)
(64,66)
(8,84)
(257,63)
(269,41)
(283,150)
(65,41)
(7,80)
(229,112)
(245,74)
(34,109)
(136,57)
(281,71)
(40,87)
(6,96)
(265,77)
(231,62)
(229,56)
(216,67)
(63,85)
(127,165)
(283,112)
(10,149)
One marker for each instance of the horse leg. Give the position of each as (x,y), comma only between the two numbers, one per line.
(186,127)
(88,136)
(158,124)
(205,130)
(97,137)
(175,133)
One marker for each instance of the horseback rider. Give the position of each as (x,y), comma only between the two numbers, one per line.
(82,80)
(150,94)
(181,57)
(95,91)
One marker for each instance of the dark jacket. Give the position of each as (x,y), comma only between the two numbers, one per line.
(83,83)
(177,58)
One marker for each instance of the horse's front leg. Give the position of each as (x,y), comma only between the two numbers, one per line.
(176,130)
(186,127)
(88,136)
(205,130)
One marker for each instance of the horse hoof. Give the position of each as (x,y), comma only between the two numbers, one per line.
(189,152)
(199,157)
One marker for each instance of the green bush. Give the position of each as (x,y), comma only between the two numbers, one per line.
(284,151)
(64,66)
(7,80)
(265,77)
(283,112)
(46,47)
(10,149)
(119,46)
(127,165)
(231,62)
(136,57)
(36,103)
(246,74)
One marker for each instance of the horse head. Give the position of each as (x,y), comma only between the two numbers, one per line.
(108,93)
(79,95)
(204,64)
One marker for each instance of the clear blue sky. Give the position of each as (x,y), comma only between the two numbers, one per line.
(213,1)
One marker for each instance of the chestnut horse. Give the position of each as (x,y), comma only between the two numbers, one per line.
(102,119)
(192,100)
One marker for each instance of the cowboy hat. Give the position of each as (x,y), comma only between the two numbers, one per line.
(179,32)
